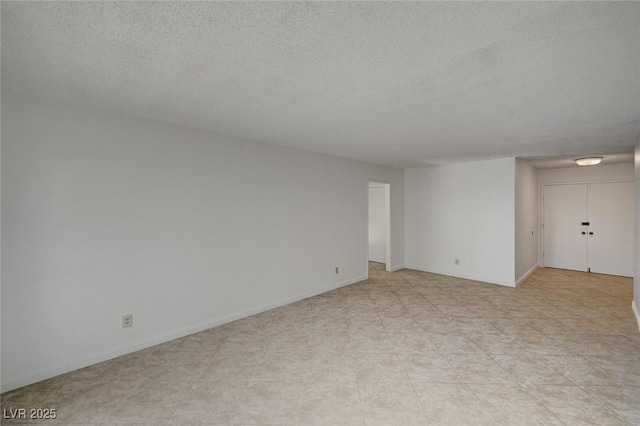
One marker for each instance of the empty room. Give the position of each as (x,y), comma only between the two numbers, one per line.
(320,213)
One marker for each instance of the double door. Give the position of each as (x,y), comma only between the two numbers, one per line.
(589,227)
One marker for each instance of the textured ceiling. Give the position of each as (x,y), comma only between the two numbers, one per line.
(400,84)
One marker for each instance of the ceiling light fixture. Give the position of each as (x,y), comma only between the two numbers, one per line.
(590,161)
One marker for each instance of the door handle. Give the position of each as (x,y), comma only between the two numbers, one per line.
(584,233)
(590,233)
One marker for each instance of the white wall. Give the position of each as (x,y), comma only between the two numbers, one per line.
(0,245)
(636,280)
(463,211)
(526,218)
(104,215)
(377,224)
(584,174)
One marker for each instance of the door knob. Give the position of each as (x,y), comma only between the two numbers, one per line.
(584,233)
(590,233)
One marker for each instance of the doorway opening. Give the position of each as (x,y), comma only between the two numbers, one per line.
(380,223)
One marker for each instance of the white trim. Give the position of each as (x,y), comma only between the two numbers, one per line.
(466,277)
(526,274)
(396,268)
(387,225)
(634,308)
(152,341)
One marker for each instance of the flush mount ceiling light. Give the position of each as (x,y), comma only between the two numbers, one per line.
(589,161)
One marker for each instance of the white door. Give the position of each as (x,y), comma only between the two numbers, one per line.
(589,227)
(611,215)
(565,209)
(377,225)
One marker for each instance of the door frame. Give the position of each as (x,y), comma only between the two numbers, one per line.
(387,212)
(542,222)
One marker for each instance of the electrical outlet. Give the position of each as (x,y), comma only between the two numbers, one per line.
(127,321)
(457,262)
(337,270)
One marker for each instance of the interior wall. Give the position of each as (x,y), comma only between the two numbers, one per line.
(105,215)
(462,211)
(585,174)
(0,240)
(377,224)
(636,280)
(526,218)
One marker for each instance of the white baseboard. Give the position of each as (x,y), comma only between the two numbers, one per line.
(466,277)
(526,274)
(166,337)
(397,268)
(634,308)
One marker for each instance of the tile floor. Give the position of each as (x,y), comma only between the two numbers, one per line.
(404,348)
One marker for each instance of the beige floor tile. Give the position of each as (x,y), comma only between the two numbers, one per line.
(540,344)
(335,341)
(574,406)
(581,371)
(549,325)
(403,348)
(210,402)
(392,404)
(403,323)
(599,344)
(624,400)
(626,369)
(437,325)
(497,343)
(431,368)
(232,366)
(457,311)
(512,405)
(474,325)
(269,402)
(379,367)
(95,401)
(92,372)
(204,342)
(180,372)
(245,340)
(133,368)
(454,343)
(275,366)
(411,342)
(289,340)
(440,299)
(377,341)
(131,411)
(452,404)
(334,366)
(477,368)
(512,325)
(331,402)
(529,369)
